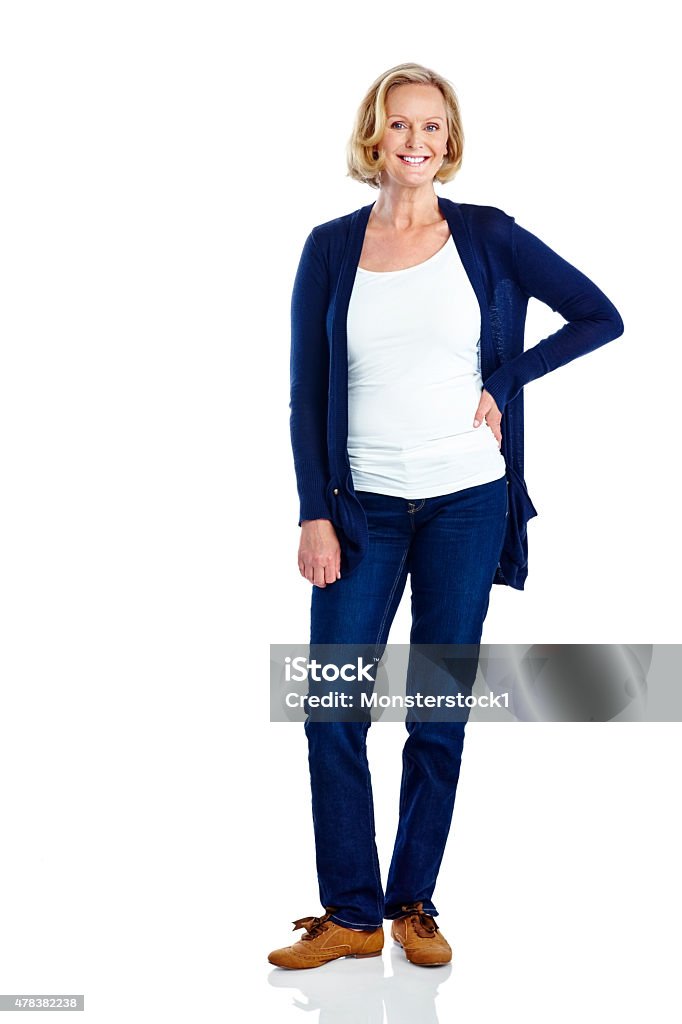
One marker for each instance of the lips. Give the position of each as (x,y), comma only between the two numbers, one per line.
(413,161)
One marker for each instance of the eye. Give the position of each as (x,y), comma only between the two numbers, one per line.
(402,123)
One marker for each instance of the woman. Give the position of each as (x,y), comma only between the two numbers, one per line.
(407,370)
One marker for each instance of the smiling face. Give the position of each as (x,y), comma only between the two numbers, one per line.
(416,136)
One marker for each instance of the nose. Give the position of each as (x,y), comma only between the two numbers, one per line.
(412,141)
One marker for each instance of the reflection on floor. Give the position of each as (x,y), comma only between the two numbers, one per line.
(356,991)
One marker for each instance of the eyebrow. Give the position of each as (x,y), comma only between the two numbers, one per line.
(434,118)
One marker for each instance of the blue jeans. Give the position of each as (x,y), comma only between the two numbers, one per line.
(450,546)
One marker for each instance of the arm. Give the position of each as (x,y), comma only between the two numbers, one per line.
(592,318)
(309,371)
(319,552)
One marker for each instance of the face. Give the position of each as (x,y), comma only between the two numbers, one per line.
(416,126)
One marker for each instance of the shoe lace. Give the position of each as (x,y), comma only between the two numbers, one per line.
(420,918)
(314,926)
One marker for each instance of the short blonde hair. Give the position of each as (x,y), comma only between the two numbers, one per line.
(370,124)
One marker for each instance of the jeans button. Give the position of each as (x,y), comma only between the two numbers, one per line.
(336,490)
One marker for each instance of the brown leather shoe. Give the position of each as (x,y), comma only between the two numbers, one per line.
(420,937)
(326,940)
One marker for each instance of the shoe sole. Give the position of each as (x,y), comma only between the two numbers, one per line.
(436,963)
(347,956)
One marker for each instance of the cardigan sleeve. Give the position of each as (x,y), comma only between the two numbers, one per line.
(309,382)
(592,319)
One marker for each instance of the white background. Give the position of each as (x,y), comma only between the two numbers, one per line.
(162,165)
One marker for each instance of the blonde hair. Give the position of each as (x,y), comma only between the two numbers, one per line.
(370,124)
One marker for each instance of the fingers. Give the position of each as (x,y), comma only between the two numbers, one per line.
(487,407)
(485,404)
(321,575)
(324,575)
(487,410)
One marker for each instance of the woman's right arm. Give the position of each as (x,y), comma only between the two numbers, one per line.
(319,552)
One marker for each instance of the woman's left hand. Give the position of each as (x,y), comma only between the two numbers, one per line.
(488,411)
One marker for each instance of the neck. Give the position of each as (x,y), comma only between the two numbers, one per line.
(401,208)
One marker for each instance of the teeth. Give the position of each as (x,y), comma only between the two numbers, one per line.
(413,159)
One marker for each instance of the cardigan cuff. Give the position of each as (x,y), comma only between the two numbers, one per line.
(312,488)
(313,512)
(498,387)
(505,383)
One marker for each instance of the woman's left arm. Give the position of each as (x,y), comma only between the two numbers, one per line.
(593,320)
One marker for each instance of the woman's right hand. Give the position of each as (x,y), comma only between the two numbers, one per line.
(319,552)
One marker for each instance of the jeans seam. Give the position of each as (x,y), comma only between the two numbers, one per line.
(401,802)
(375,854)
(390,598)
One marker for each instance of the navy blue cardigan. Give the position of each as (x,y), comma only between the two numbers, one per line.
(506,266)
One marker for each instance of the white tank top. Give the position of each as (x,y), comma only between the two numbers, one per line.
(414,381)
